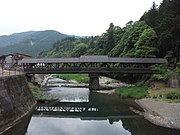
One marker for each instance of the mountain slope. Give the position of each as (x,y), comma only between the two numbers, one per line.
(8,40)
(30,43)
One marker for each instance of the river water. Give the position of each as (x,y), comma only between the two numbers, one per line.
(81,112)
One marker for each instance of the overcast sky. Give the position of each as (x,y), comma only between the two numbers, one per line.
(73,17)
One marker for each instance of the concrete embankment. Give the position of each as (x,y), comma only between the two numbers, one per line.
(16,102)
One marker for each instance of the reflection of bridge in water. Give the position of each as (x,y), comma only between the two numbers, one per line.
(65,109)
(103,108)
(98,108)
(82,111)
(133,123)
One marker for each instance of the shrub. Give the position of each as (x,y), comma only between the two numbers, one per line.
(175,95)
(38,94)
(163,72)
(133,92)
(177,70)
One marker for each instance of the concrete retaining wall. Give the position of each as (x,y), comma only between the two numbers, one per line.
(16,100)
(174,80)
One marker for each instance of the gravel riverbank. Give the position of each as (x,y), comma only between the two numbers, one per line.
(161,112)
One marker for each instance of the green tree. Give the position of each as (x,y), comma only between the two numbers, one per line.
(110,41)
(125,47)
(79,50)
(166,23)
(146,44)
(151,16)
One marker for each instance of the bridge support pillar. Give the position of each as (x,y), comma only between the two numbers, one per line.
(29,77)
(94,82)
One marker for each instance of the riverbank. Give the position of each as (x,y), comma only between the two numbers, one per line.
(161,112)
(161,104)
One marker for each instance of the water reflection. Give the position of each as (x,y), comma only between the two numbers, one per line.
(99,105)
(81,112)
(102,115)
(74,126)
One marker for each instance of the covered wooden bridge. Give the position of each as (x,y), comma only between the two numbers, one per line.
(92,65)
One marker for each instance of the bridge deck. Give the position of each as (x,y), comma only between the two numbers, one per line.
(90,64)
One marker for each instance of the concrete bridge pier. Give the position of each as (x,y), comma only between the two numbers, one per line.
(94,81)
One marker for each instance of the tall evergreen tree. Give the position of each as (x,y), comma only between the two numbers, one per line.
(151,16)
(110,38)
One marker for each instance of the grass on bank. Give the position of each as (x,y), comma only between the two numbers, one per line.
(133,92)
(38,94)
(142,91)
(170,94)
(80,78)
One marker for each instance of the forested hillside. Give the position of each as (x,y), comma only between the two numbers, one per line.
(14,38)
(165,20)
(156,34)
(31,43)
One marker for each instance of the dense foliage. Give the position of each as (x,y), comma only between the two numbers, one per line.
(165,20)
(156,34)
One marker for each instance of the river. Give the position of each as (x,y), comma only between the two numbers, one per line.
(81,112)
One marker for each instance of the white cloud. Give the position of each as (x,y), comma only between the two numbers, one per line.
(78,17)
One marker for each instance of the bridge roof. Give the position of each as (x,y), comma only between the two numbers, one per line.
(95,58)
(89,59)
(50,60)
(138,60)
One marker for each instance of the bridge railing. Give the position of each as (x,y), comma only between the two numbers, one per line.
(87,68)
